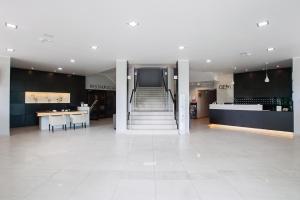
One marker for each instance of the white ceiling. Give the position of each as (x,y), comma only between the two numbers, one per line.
(209,29)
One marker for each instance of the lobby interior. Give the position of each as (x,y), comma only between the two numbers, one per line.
(153,100)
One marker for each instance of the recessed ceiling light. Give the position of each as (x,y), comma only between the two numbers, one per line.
(11,26)
(72,61)
(270,49)
(246,54)
(263,23)
(10,50)
(60,68)
(181,47)
(277,66)
(94,47)
(133,23)
(208,61)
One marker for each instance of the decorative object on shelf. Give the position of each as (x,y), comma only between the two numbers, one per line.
(46,97)
(267,80)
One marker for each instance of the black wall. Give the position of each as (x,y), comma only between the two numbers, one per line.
(150,77)
(22,114)
(252,84)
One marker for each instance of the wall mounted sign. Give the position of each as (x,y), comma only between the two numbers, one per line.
(225,86)
(101,87)
(47,97)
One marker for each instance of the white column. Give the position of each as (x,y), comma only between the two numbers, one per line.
(121,96)
(5,94)
(183,96)
(296,94)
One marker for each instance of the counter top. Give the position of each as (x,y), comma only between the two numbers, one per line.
(50,113)
(236,107)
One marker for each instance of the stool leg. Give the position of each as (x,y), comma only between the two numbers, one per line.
(49,127)
(52,129)
(84,124)
(70,125)
(74,126)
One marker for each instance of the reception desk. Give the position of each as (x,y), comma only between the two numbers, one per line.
(44,116)
(251,116)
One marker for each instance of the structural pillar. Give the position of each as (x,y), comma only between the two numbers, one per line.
(183,96)
(296,94)
(5,94)
(121,95)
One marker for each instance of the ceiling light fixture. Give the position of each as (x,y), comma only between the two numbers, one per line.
(181,47)
(94,47)
(133,23)
(11,26)
(246,54)
(60,68)
(277,66)
(270,49)
(267,80)
(72,61)
(208,61)
(10,50)
(263,23)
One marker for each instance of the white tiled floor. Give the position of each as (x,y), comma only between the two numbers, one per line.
(94,163)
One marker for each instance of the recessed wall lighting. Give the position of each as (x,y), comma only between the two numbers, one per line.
(263,23)
(181,47)
(94,47)
(133,23)
(11,26)
(60,68)
(10,50)
(72,61)
(208,61)
(270,49)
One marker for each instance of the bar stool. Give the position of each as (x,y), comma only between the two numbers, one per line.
(57,120)
(77,119)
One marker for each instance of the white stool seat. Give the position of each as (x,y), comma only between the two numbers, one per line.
(57,120)
(77,119)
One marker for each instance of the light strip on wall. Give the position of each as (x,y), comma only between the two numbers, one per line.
(267,132)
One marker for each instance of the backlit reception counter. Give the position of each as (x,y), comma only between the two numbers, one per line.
(44,116)
(251,116)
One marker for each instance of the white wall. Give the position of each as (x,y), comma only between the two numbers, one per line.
(296,94)
(198,76)
(5,93)
(183,90)
(225,95)
(121,96)
(102,81)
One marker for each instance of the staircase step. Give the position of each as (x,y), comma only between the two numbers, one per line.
(151,117)
(152,113)
(151,122)
(153,127)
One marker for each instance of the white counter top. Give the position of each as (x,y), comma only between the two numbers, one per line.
(236,107)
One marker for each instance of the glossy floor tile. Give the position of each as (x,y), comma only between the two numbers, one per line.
(95,163)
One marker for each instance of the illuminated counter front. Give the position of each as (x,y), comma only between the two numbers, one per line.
(251,116)
(44,116)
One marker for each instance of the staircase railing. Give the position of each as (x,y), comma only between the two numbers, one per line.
(133,91)
(169,91)
(93,105)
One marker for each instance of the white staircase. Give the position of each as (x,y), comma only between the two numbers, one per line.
(152,109)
